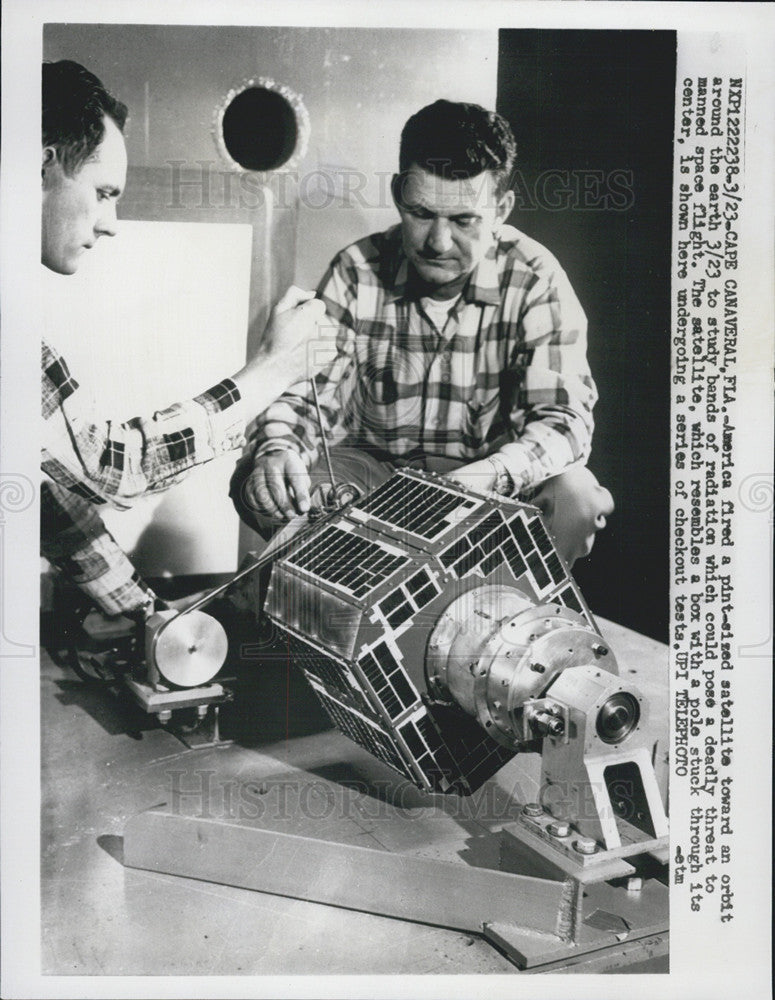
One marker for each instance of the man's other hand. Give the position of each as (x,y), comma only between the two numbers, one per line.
(279,486)
(477,476)
(290,335)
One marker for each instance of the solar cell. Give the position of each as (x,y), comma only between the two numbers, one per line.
(415,505)
(347,560)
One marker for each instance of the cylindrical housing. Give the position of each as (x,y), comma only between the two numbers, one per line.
(493,651)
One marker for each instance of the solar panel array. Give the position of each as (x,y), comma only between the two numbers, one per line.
(408,598)
(347,560)
(404,549)
(391,686)
(364,730)
(521,543)
(425,508)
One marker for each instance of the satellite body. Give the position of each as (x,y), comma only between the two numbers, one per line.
(430,621)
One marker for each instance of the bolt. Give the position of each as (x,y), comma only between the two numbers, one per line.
(532,809)
(165,716)
(559,829)
(538,667)
(634,885)
(585,845)
(599,649)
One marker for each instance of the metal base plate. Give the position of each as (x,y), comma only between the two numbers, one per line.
(556,921)
(155,700)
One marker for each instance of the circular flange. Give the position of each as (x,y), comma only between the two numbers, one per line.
(260,103)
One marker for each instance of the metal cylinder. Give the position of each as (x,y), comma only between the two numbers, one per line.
(185,649)
(492,651)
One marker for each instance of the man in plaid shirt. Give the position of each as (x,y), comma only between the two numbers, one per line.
(90,461)
(461,349)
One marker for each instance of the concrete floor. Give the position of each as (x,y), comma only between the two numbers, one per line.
(103,760)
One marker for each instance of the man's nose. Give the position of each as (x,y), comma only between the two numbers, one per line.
(107,222)
(439,235)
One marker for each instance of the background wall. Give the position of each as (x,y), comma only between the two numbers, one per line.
(594,103)
(358,85)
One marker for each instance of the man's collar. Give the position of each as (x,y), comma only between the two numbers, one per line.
(482,285)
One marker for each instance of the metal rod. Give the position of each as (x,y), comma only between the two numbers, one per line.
(323,436)
(263,560)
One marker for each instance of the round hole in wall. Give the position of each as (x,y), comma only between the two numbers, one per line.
(259,129)
(262,127)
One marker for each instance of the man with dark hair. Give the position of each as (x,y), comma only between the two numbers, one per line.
(461,348)
(75,106)
(92,461)
(458,141)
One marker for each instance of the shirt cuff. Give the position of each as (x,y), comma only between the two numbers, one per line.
(517,463)
(278,444)
(225,410)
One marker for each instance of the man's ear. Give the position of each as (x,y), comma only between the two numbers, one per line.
(396,189)
(49,159)
(505,207)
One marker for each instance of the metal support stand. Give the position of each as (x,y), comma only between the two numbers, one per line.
(535,921)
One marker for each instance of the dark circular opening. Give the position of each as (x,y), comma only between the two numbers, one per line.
(618,717)
(260,129)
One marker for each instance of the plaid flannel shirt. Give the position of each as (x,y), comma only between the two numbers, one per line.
(96,462)
(73,537)
(110,462)
(507,375)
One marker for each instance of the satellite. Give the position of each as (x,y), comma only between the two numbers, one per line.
(442,632)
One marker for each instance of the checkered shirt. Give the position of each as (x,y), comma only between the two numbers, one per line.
(108,462)
(75,540)
(97,462)
(507,375)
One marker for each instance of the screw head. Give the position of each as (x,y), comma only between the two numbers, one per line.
(533,809)
(559,829)
(585,845)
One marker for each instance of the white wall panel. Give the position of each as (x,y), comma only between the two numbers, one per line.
(156,315)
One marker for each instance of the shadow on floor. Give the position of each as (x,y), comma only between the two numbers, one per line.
(113,845)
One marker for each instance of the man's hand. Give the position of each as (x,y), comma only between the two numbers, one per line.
(477,476)
(575,507)
(278,486)
(285,348)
